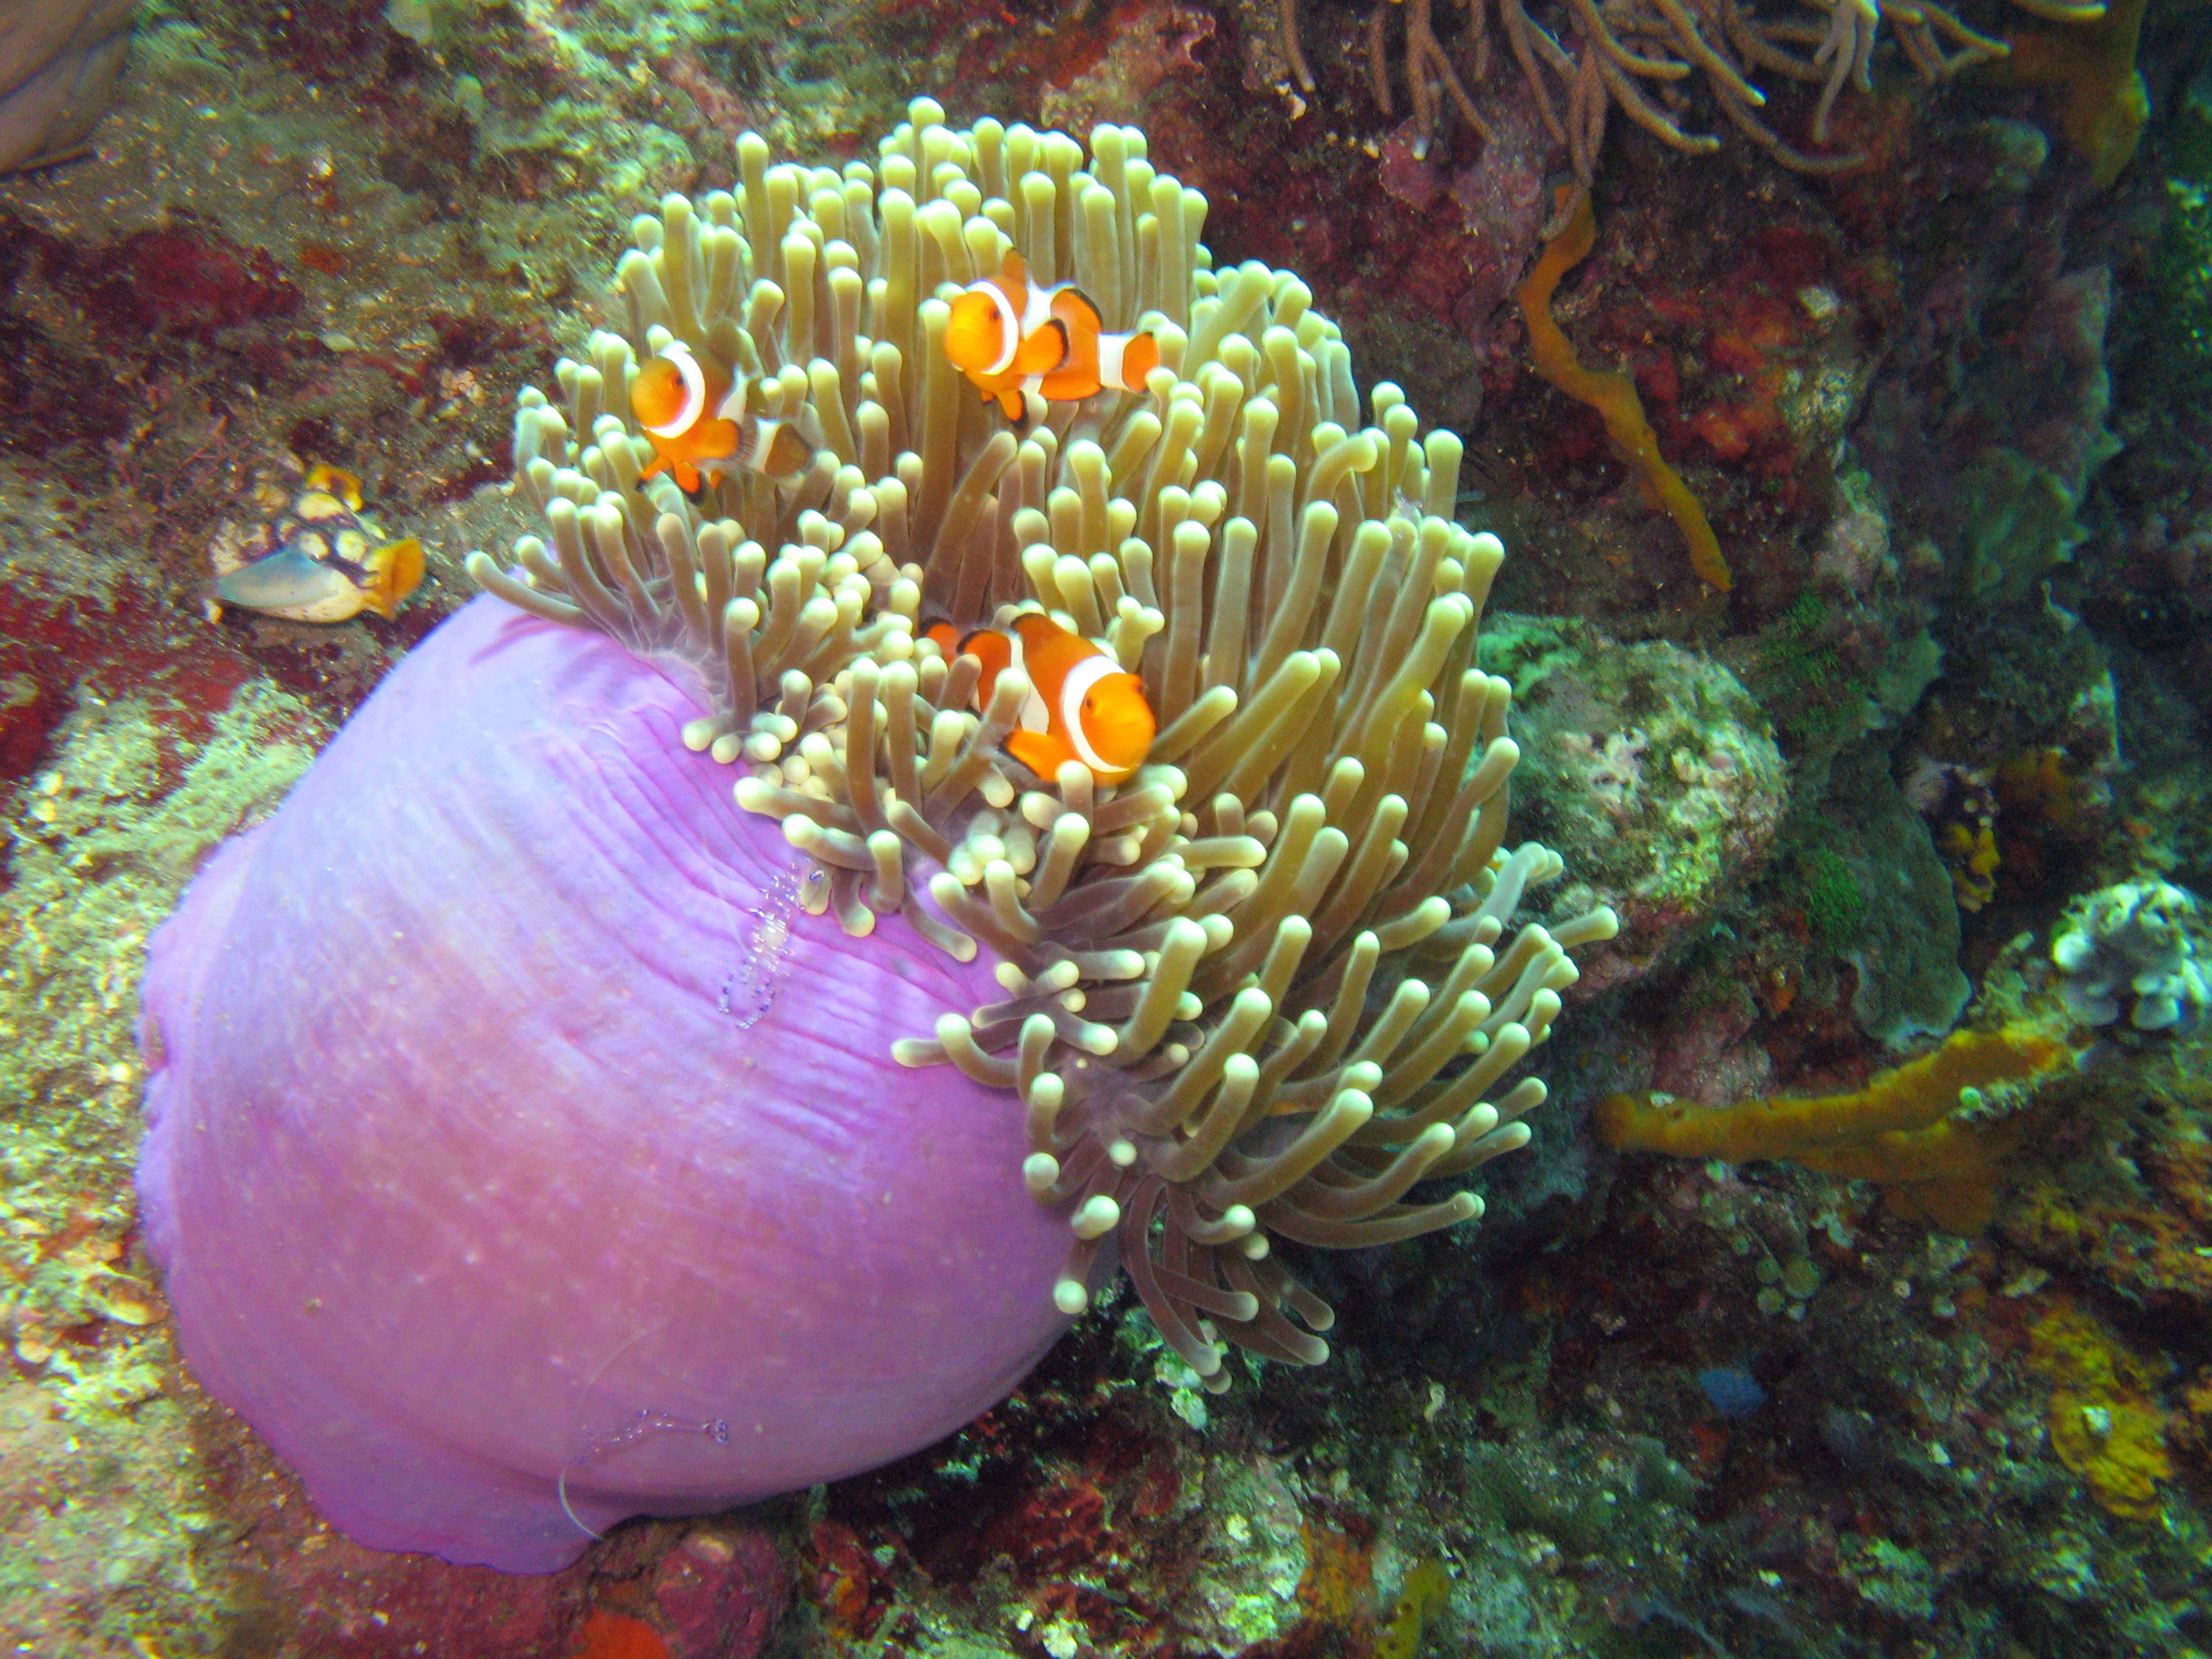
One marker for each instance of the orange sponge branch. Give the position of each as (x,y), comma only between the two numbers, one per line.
(2092,65)
(1613,395)
(1900,1130)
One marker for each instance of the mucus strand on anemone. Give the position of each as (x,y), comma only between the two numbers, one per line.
(1265,986)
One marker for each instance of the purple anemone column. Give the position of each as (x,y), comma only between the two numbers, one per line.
(523,1155)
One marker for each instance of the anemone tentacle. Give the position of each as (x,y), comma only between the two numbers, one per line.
(1264,987)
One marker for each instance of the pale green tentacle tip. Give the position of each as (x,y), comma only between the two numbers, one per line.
(1040,1173)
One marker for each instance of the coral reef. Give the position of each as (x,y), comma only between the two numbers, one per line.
(2104,1424)
(2090,57)
(1622,50)
(1258,991)
(99,1524)
(1904,938)
(2135,951)
(59,67)
(1649,766)
(1945,412)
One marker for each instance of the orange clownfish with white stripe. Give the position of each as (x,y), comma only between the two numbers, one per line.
(1009,337)
(1082,705)
(694,414)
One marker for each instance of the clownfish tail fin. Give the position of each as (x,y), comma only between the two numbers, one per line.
(782,453)
(1124,360)
(1140,356)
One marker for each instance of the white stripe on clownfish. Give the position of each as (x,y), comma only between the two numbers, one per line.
(1038,310)
(1011,327)
(1073,690)
(1110,350)
(695,394)
(1037,714)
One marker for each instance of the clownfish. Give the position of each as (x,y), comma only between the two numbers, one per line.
(1009,336)
(1082,706)
(694,414)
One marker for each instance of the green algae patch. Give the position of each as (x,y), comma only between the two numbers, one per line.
(102,1520)
(1833,902)
(100,846)
(96,1522)
(1426,1591)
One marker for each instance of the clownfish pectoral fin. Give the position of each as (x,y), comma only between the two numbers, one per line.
(395,571)
(1023,405)
(1041,751)
(1071,385)
(1042,352)
(711,440)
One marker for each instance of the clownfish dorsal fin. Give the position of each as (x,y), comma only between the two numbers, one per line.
(1037,629)
(1014,277)
(1078,310)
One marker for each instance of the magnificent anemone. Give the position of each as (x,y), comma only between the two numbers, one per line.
(541,1137)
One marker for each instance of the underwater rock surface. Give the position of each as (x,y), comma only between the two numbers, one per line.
(59,66)
(519,1145)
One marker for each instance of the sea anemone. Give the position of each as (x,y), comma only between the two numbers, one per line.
(538,1138)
